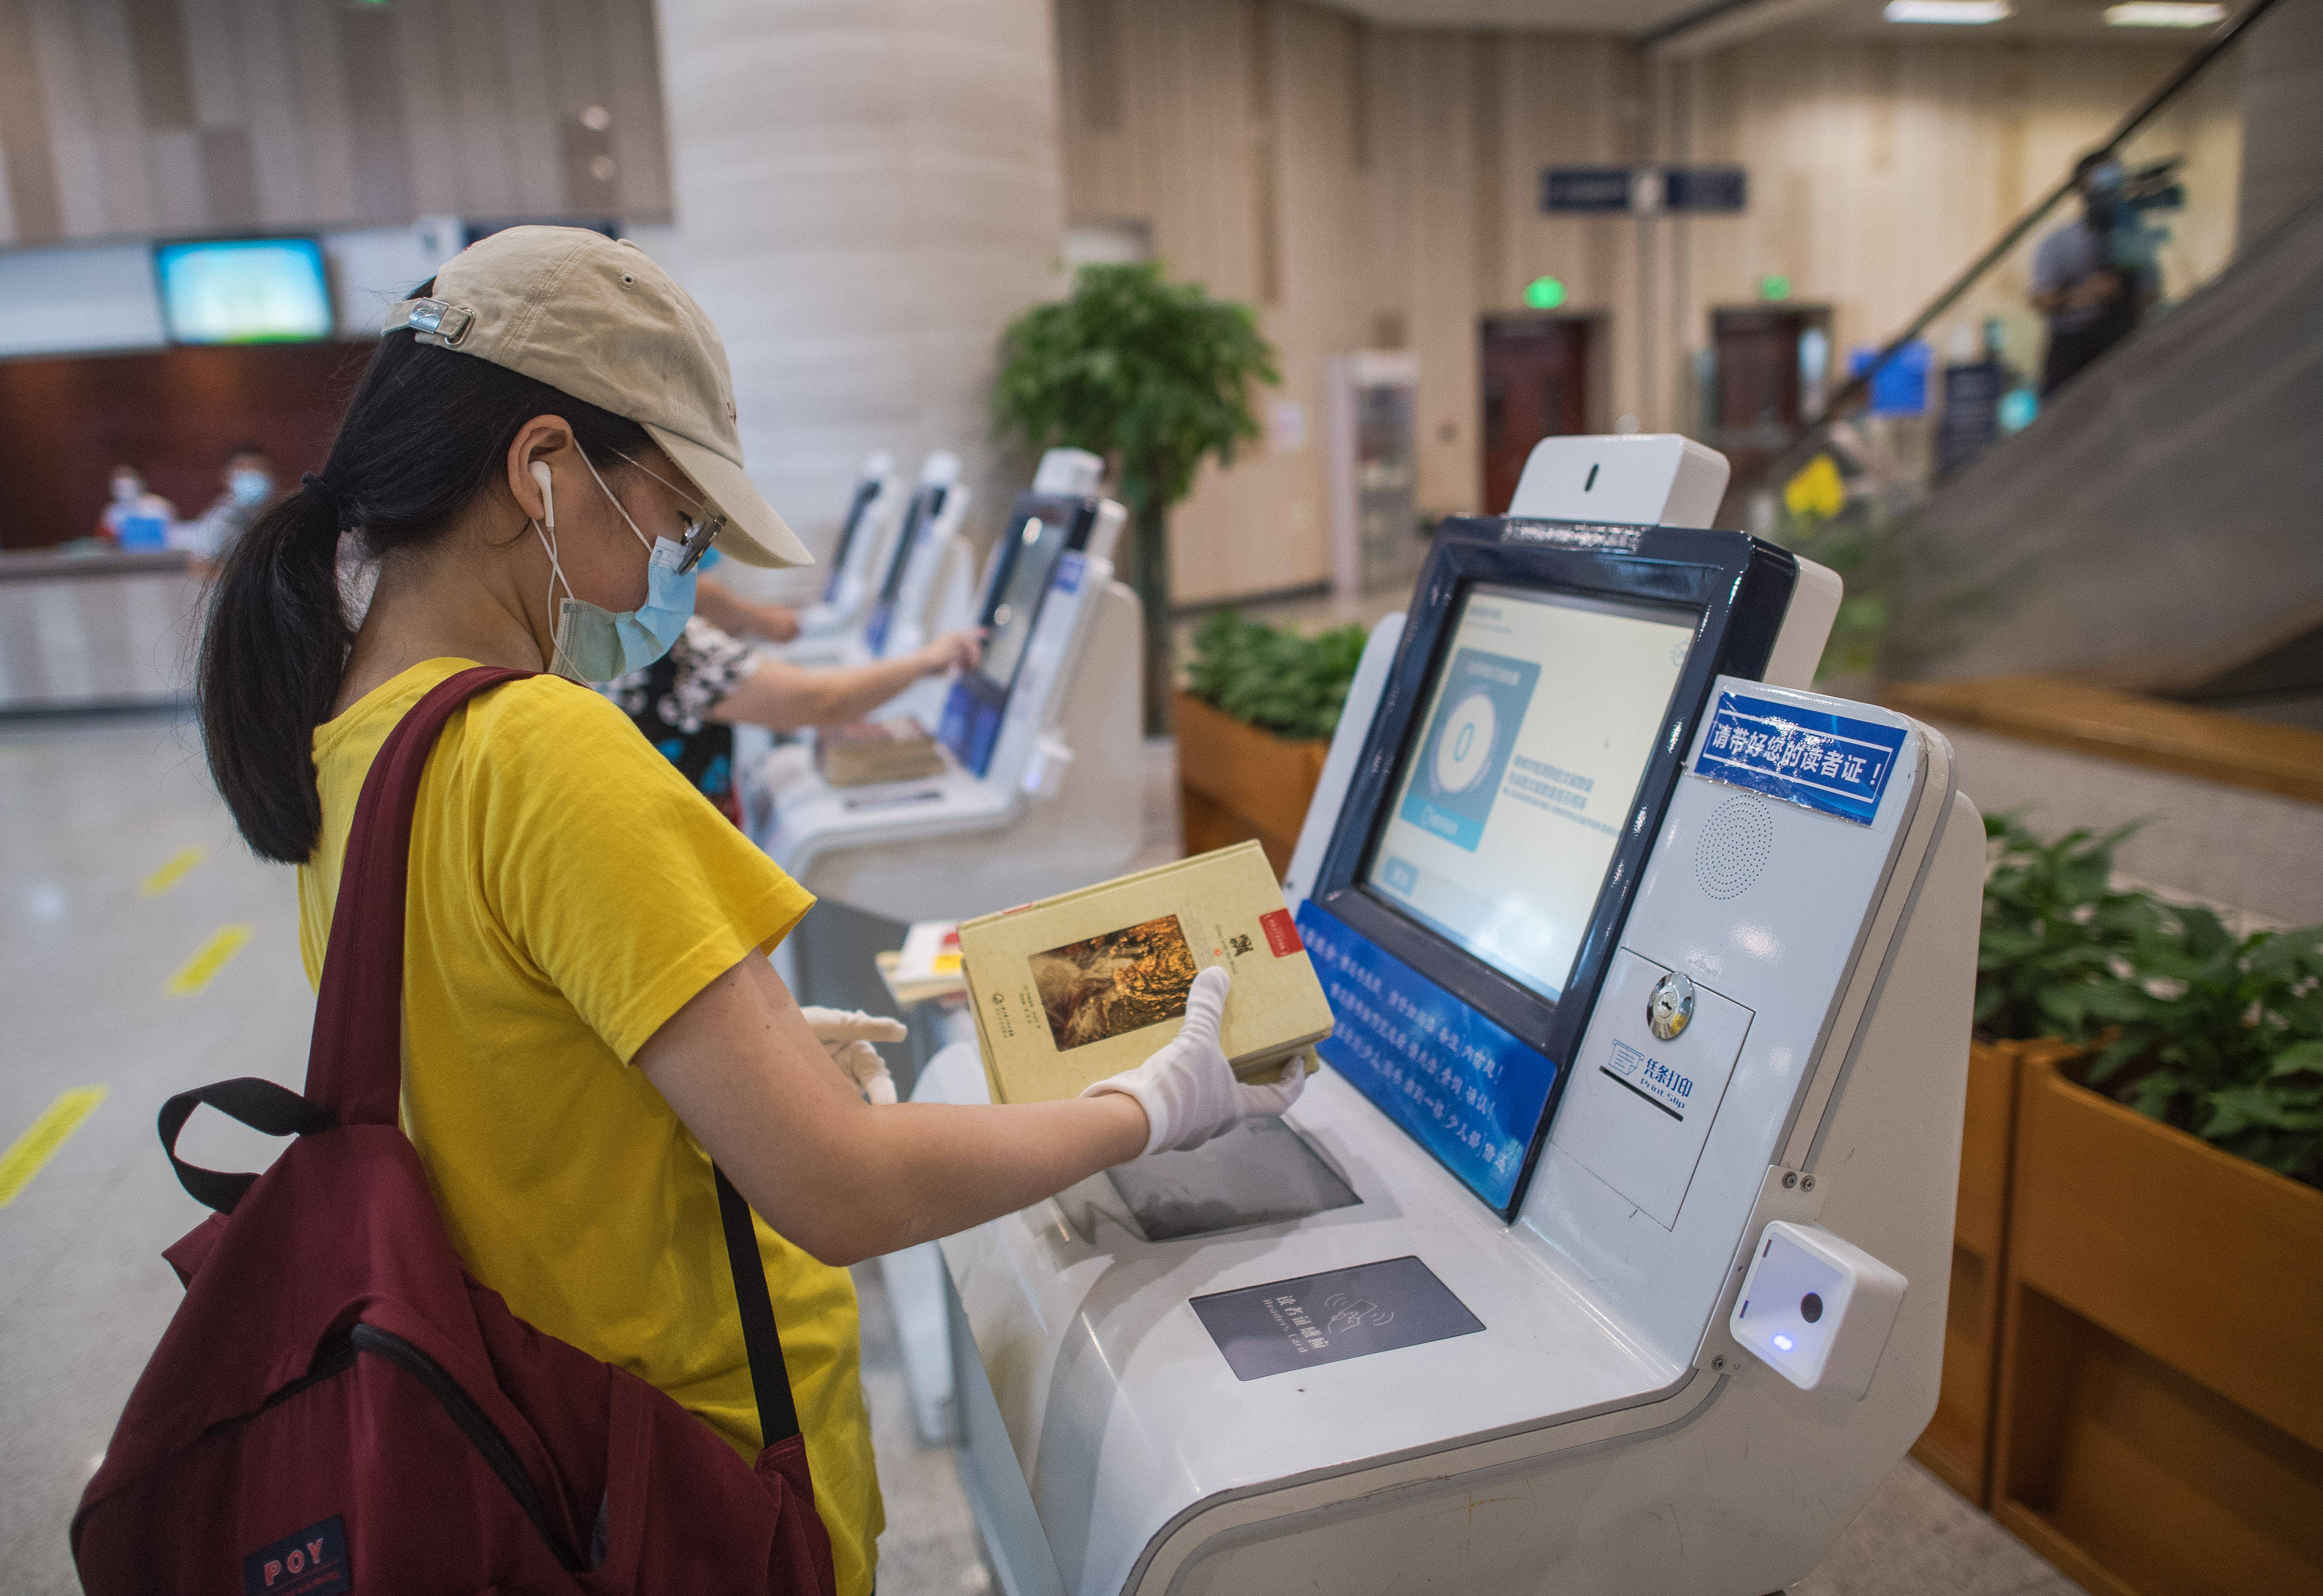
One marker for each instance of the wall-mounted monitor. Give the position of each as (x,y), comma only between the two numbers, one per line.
(244,290)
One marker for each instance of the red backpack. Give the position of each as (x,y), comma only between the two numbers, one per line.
(337,1406)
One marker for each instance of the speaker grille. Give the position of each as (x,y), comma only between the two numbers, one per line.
(1733,847)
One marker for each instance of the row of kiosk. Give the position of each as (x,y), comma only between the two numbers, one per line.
(1609,1252)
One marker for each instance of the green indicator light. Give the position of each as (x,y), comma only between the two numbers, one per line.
(1544,293)
(1774,286)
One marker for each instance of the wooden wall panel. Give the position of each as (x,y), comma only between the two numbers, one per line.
(127,117)
(1403,165)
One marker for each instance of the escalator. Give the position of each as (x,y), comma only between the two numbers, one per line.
(2159,526)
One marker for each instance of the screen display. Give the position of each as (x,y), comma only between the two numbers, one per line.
(1039,543)
(923,507)
(1509,801)
(260,291)
(865,492)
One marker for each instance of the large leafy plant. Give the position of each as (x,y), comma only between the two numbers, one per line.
(2056,934)
(2187,1022)
(1154,375)
(2222,1036)
(1273,678)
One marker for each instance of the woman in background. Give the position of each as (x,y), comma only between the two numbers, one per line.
(688,702)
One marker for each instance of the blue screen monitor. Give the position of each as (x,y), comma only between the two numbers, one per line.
(1044,529)
(850,529)
(251,290)
(918,516)
(1546,686)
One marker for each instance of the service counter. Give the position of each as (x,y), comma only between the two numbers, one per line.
(97,630)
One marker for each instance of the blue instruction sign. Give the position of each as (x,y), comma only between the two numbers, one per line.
(1810,757)
(1459,1083)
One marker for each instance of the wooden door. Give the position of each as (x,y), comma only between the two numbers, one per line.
(1758,367)
(1535,375)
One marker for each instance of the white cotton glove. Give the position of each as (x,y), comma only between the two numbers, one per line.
(1189,1093)
(847,1035)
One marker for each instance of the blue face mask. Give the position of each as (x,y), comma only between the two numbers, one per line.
(593,644)
(250,487)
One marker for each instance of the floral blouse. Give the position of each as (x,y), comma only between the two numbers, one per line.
(671,700)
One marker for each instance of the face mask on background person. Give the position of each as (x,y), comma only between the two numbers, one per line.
(250,486)
(593,644)
(127,490)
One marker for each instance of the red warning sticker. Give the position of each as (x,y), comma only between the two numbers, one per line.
(1281,934)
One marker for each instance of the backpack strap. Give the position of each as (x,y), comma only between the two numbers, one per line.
(354,1066)
(770,1377)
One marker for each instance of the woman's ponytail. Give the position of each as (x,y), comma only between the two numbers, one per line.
(427,431)
(272,658)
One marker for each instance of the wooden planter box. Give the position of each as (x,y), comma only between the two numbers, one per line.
(1957,1444)
(2159,1428)
(1238,782)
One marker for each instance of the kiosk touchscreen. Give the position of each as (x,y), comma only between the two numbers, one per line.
(858,533)
(1637,959)
(1041,530)
(921,543)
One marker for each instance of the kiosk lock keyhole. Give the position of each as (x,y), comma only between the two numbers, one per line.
(1669,1008)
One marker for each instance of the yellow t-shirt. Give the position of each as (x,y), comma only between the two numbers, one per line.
(569,892)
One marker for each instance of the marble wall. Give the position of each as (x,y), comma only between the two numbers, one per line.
(865,193)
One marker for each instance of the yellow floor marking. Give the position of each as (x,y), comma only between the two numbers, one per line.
(35,1147)
(169,874)
(202,968)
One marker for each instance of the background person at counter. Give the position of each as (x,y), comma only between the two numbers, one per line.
(137,518)
(247,476)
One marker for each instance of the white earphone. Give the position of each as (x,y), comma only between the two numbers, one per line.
(548,492)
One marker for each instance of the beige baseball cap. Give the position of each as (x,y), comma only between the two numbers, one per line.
(598,320)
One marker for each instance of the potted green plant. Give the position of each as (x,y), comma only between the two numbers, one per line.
(1253,726)
(2054,928)
(2158,1425)
(1155,376)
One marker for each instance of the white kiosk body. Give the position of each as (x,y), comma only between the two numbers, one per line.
(873,512)
(918,586)
(1633,955)
(1042,787)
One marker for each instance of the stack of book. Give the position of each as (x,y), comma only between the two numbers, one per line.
(1076,988)
(872,752)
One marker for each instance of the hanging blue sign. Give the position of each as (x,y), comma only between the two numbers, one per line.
(1809,758)
(1459,1084)
(1705,190)
(1585,189)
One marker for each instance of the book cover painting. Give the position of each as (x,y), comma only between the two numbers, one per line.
(1116,982)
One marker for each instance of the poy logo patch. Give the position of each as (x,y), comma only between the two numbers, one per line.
(311,1562)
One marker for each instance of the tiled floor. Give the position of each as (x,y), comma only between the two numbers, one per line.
(88,811)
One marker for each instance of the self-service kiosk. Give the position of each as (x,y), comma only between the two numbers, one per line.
(1609,1252)
(924,588)
(873,511)
(917,580)
(1042,785)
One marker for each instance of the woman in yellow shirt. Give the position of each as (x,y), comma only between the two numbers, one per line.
(540,451)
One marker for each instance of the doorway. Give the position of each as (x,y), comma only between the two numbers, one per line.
(1538,383)
(1770,365)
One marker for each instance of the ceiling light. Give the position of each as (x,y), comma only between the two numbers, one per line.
(2164,13)
(1957,13)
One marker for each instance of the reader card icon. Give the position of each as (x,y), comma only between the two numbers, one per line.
(1343,1313)
(1469,740)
